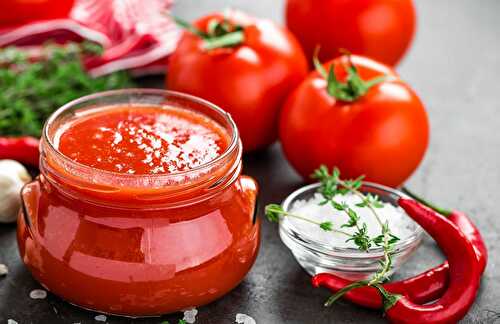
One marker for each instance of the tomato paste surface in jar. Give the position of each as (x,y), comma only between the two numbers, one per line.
(140,208)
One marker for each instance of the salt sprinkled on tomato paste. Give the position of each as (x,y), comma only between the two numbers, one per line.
(143,140)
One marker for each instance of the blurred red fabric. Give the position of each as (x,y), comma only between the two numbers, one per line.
(136,35)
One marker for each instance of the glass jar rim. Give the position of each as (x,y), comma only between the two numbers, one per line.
(311,243)
(234,143)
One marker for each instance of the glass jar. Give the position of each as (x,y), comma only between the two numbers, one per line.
(315,256)
(138,245)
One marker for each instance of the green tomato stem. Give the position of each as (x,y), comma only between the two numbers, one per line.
(354,87)
(212,40)
(227,40)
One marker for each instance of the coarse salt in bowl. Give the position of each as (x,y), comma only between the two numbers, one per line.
(319,251)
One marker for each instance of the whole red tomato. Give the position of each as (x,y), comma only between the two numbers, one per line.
(380,29)
(378,128)
(22,11)
(250,79)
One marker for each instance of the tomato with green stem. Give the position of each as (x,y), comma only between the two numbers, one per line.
(358,115)
(246,66)
(380,29)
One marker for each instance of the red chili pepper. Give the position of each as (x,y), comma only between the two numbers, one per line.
(465,273)
(422,288)
(464,223)
(22,149)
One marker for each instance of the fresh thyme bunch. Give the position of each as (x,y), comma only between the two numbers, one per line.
(331,185)
(32,90)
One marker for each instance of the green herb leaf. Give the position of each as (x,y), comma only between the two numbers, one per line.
(353,219)
(339,206)
(273,212)
(326,226)
(362,204)
(361,238)
(393,239)
(378,240)
(324,202)
(31,91)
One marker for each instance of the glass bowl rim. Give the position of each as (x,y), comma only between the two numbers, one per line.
(311,244)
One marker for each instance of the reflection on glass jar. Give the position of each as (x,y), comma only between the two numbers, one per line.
(138,245)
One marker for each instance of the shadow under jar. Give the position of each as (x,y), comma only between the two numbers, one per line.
(138,244)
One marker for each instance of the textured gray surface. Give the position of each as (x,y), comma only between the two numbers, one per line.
(453,65)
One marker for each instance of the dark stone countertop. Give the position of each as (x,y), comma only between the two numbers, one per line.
(453,65)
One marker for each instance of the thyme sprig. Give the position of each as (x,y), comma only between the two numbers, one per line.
(275,211)
(33,88)
(332,186)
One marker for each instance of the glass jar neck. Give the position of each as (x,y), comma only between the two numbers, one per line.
(137,190)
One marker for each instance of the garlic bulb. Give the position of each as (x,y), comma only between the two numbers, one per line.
(13,176)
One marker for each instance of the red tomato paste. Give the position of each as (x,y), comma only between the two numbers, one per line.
(172,227)
(143,140)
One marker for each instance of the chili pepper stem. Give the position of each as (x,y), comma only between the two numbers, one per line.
(442,211)
(389,299)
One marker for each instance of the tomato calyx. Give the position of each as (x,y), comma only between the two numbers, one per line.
(354,87)
(220,33)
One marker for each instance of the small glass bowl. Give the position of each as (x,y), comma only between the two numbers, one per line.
(349,263)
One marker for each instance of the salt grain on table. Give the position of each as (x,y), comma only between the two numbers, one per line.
(3,270)
(244,319)
(101,318)
(38,294)
(190,315)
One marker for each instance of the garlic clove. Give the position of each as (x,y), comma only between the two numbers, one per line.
(3,270)
(13,176)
